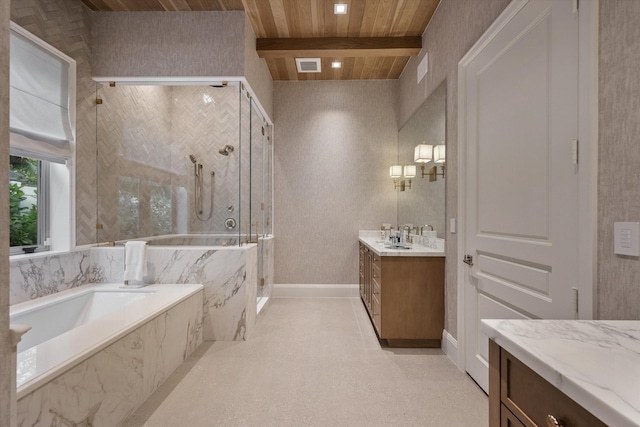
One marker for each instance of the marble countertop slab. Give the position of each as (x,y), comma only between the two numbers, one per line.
(372,240)
(594,362)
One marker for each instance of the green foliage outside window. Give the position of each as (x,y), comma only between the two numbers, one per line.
(23,221)
(23,218)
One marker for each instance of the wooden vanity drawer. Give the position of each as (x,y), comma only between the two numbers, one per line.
(375,273)
(375,310)
(376,260)
(532,399)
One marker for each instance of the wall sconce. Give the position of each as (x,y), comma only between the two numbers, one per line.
(409,173)
(396,172)
(439,157)
(423,153)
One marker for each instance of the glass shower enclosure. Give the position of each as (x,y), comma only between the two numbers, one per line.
(183,164)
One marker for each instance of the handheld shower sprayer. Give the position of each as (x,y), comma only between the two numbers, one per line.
(197,173)
(195,165)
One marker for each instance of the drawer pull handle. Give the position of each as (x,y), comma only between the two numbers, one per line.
(553,422)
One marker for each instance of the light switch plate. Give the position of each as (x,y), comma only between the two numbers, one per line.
(626,240)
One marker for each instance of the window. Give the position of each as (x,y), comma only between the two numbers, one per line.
(41,138)
(28,191)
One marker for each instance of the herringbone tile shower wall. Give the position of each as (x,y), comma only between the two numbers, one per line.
(204,119)
(66,25)
(145,137)
(134,150)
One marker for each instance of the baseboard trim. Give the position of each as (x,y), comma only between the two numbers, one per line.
(450,346)
(315,291)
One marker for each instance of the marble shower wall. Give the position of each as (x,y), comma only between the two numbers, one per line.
(229,277)
(265,266)
(109,386)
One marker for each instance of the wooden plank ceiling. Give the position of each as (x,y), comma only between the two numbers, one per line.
(374,40)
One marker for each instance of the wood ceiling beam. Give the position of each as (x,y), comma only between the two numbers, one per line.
(338,46)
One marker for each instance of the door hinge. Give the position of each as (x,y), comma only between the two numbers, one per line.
(468,259)
(575,151)
(576,6)
(262,282)
(575,303)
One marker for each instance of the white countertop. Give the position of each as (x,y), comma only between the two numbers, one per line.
(372,240)
(594,362)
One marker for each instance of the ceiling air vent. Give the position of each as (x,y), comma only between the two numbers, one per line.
(308,65)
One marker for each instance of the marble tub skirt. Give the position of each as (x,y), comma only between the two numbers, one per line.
(101,371)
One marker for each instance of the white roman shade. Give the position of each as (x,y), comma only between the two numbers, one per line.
(42,80)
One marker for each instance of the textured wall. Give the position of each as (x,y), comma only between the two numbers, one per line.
(6,367)
(256,71)
(619,155)
(66,25)
(454,28)
(334,143)
(168,44)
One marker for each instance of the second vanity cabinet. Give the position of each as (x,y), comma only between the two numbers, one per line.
(520,397)
(404,296)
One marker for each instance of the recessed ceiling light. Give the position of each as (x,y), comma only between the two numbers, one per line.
(336,64)
(340,9)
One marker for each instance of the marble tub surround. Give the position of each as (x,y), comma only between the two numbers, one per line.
(420,248)
(105,388)
(37,365)
(34,276)
(596,362)
(228,275)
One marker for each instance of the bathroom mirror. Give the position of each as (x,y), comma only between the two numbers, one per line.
(424,203)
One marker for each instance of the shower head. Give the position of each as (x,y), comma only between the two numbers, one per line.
(226,150)
(193,159)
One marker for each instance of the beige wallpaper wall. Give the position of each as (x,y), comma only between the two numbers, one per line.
(455,27)
(66,25)
(334,143)
(256,71)
(168,44)
(5,346)
(619,155)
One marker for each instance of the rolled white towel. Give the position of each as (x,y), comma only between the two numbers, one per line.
(135,262)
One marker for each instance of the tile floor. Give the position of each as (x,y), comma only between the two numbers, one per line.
(315,362)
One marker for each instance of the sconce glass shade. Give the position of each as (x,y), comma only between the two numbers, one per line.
(410,171)
(395,171)
(439,154)
(423,153)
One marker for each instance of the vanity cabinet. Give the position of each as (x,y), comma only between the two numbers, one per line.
(520,397)
(404,296)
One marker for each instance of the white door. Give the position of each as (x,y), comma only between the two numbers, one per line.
(521,201)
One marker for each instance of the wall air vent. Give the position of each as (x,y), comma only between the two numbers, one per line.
(308,65)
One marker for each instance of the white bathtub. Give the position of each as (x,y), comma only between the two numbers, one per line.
(71,326)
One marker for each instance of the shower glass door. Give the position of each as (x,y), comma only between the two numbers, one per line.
(169,162)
